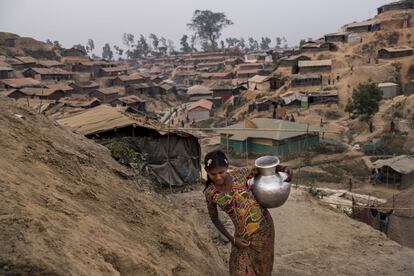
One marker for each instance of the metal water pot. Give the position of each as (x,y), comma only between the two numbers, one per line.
(269,187)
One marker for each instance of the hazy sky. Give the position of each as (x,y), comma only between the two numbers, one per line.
(74,21)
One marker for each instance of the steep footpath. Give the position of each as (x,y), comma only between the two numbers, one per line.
(67,208)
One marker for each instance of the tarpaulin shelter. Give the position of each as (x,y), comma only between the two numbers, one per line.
(173,156)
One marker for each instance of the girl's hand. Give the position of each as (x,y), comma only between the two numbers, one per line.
(286,170)
(253,172)
(241,243)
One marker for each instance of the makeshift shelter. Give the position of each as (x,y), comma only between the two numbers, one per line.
(337,37)
(56,74)
(314,66)
(395,52)
(389,89)
(292,61)
(16,83)
(269,136)
(317,47)
(364,26)
(398,5)
(306,80)
(131,101)
(263,104)
(127,80)
(113,71)
(198,92)
(107,94)
(200,110)
(397,171)
(5,72)
(265,83)
(84,88)
(174,157)
(48,63)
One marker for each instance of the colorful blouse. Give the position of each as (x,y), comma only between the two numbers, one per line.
(245,212)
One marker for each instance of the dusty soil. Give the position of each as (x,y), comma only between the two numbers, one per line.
(312,239)
(68,208)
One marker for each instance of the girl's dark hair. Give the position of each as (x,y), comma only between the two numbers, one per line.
(213,160)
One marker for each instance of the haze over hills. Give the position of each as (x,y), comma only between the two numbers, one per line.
(101,157)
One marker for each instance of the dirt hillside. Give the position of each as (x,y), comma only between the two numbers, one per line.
(67,208)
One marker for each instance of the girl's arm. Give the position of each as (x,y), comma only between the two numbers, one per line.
(213,212)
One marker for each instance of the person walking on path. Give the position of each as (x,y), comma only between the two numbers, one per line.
(252,251)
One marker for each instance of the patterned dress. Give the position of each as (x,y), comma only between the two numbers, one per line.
(252,223)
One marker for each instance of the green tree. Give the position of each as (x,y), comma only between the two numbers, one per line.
(208,25)
(185,47)
(118,50)
(164,47)
(265,43)
(364,102)
(142,46)
(193,43)
(278,42)
(90,46)
(80,47)
(128,39)
(155,41)
(107,52)
(170,46)
(57,45)
(50,42)
(241,44)
(231,42)
(285,45)
(253,44)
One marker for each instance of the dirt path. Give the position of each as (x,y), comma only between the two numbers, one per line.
(314,240)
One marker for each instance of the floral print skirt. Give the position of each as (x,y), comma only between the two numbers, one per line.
(257,259)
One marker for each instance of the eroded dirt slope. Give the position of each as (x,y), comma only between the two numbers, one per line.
(67,208)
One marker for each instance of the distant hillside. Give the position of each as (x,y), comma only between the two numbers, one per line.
(26,46)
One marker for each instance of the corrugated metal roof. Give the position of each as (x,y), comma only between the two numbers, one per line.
(79,102)
(387,84)
(259,79)
(403,164)
(86,84)
(265,123)
(6,69)
(22,82)
(131,99)
(26,59)
(313,63)
(201,103)
(307,76)
(399,49)
(294,57)
(132,77)
(115,69)
(199,89)
(111,90)
(34,91)
(50,71)
(361,24)
(338,34)
(49,63)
